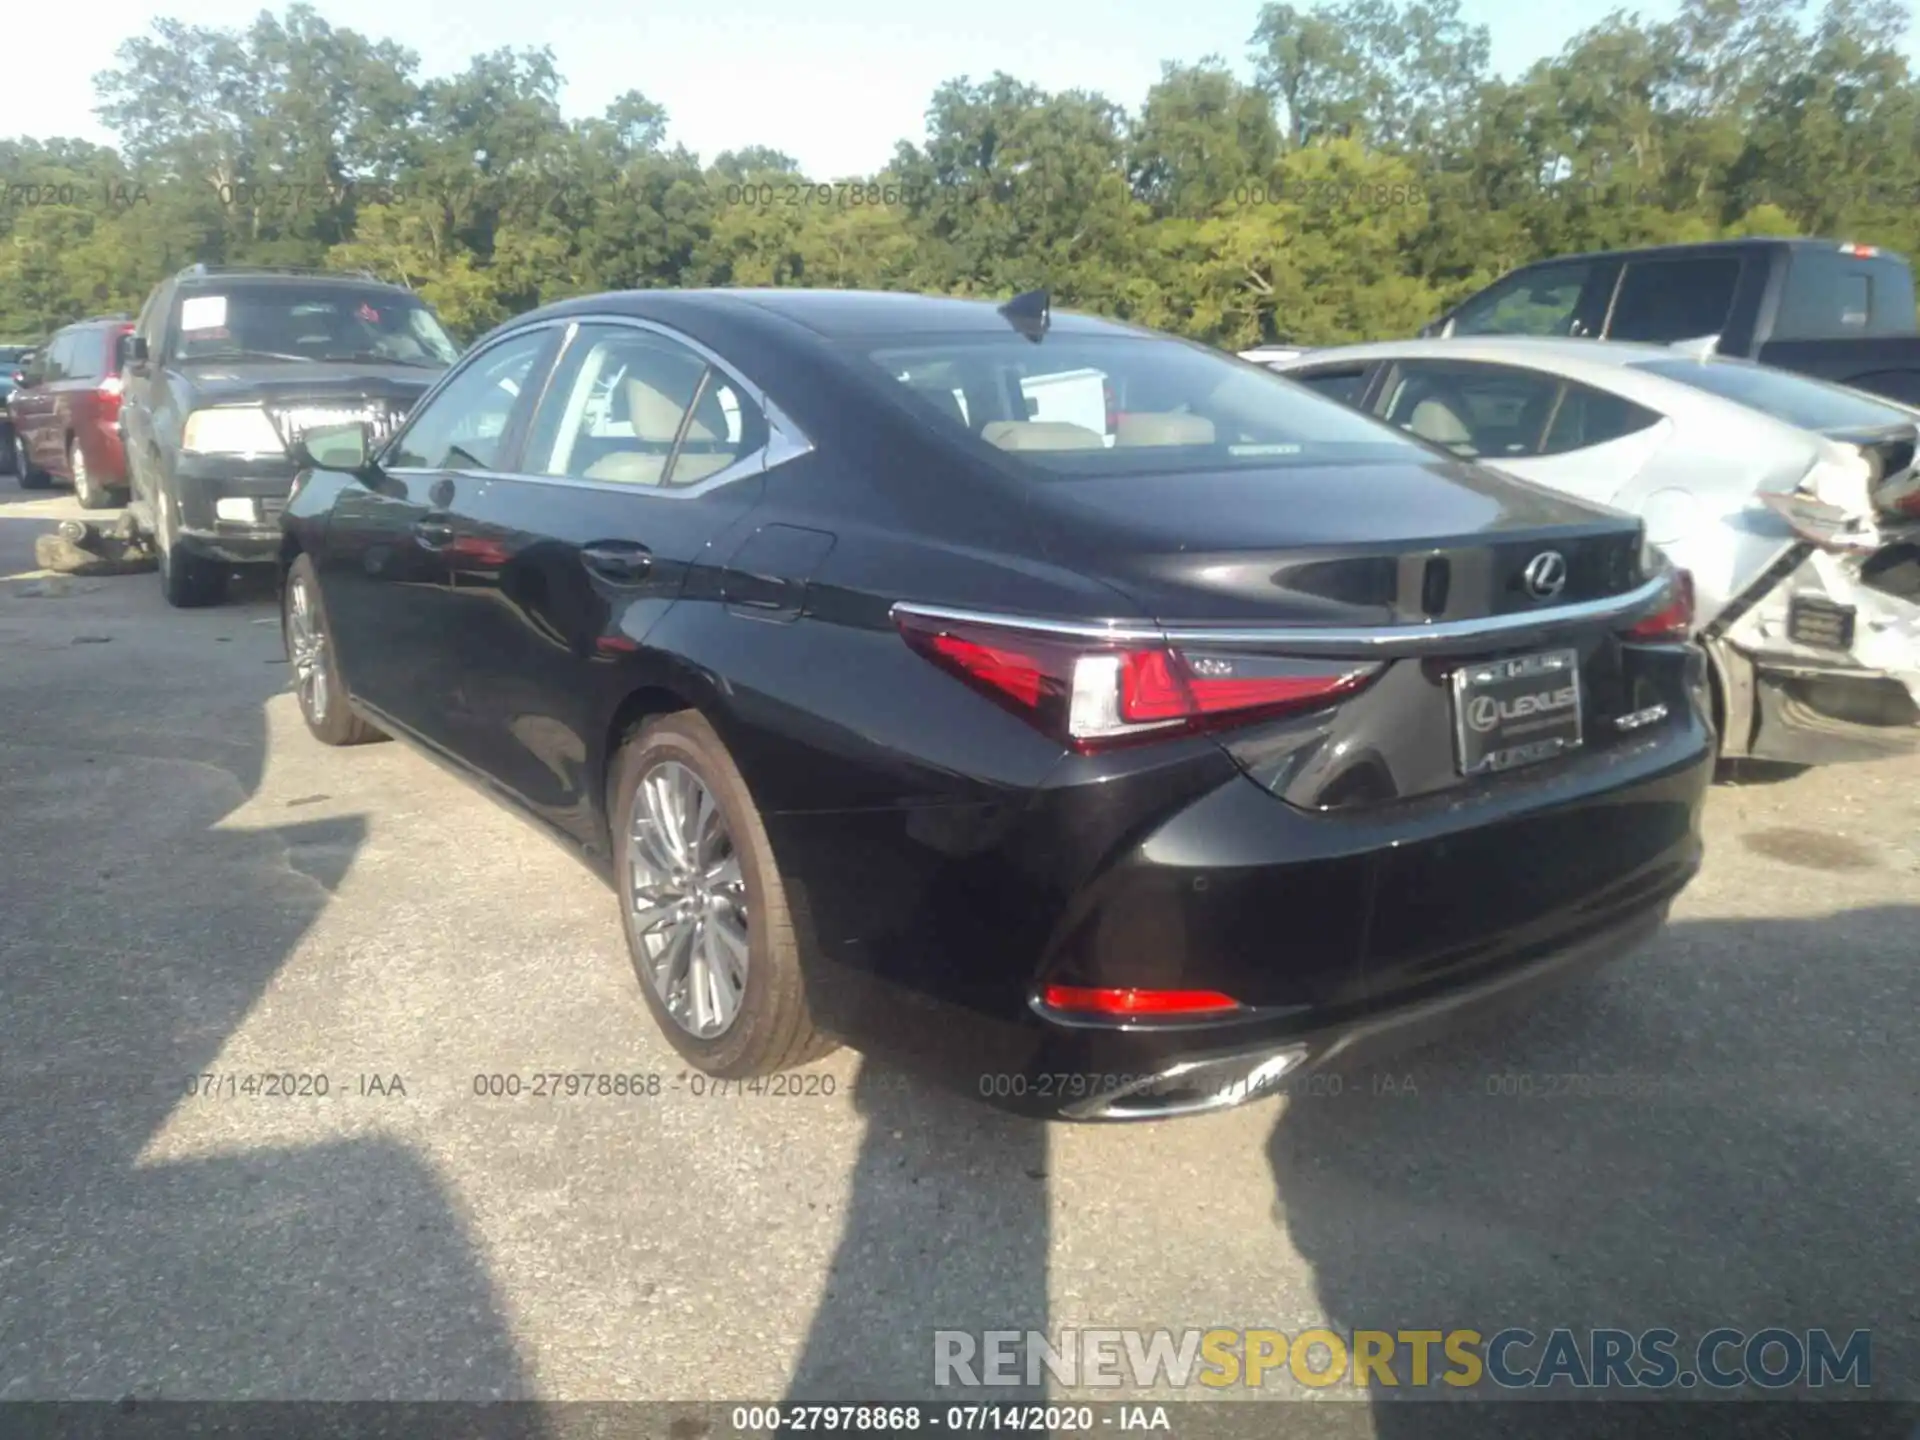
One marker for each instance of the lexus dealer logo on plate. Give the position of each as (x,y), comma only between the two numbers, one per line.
(1484,713)
(1545,575)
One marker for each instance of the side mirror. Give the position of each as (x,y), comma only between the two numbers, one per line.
(19,377)
(133,349)
(336,447)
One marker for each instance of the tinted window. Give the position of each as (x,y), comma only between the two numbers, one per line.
(636,406)
(1120,404)
(1543,301)
(1472,409)
(1810,404)
(322,321)
(1830,293)
(462,427)
(1587,417)
(1342,385)
(86,354)
(59,357)
(1666,300)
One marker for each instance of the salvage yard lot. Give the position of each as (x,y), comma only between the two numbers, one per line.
(193,887)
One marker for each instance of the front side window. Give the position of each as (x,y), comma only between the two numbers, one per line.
(57,364)
(323,321)
(637,407)
(464,425)
(1343,384)
(1086,405)
(1545,301)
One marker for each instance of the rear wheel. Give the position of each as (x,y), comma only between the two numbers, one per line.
(23,471)
(88,491)
(316,673)
(704,907)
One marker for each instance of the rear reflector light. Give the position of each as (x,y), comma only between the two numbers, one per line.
(1674,619)
(1138,1002)
(1093,693)
(111,385)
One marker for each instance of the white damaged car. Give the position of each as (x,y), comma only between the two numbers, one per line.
(1794,503)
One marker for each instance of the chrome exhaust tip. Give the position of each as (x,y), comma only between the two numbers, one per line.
(1193,1087)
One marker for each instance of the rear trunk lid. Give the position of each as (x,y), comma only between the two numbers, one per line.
(1382,543)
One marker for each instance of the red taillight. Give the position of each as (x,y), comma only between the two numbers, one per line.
(1674,620)
(1137,1002)
(1094,693)
(1861,252)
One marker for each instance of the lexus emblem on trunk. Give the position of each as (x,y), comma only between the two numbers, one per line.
(1545,575)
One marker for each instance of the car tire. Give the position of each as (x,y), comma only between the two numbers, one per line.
(23,471)
(771,1027)
(317,687)
(90,493)
(189,583)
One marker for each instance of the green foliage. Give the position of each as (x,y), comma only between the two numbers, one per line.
(1371,173)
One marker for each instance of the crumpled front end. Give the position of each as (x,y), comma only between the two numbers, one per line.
(1820,659)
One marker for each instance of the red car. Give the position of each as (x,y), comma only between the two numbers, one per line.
(65,409)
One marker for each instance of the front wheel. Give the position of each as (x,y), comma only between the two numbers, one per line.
(316,671)
(704,907)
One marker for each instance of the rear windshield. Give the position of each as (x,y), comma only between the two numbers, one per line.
(312,322)
(1084,405)
(1810,404)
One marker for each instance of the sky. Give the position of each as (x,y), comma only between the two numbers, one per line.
(833,83)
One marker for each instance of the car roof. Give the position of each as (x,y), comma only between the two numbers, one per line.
(834,314)
(1550,350)
(233,279)
(1706,247)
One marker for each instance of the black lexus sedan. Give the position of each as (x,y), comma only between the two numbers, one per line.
(1084,717)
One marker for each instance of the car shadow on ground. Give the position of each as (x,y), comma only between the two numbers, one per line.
(139,925)
(1719,1132)
(946,1229)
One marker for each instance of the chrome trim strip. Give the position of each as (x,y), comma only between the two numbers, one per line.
(1369,640)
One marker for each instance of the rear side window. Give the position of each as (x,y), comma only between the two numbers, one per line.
(1661,301)
(1796,399)
(1830,294)
(639,408)
(87,360)
(59,358)
(1588,417)
(1107,404)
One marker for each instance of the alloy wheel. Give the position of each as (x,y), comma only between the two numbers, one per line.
(307,649)
(688,900)
(82,482)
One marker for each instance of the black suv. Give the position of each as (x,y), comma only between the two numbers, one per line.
(225,370)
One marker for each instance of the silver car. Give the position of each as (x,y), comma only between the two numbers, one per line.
(1794,504)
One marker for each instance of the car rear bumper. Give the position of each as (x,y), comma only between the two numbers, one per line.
(1334,931)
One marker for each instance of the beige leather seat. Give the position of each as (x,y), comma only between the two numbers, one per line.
(1041,435)
(1433,419)
(655,418)
(1172,427)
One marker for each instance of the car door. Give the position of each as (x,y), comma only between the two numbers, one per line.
(384,562)
(143,381)
(83,369)
(35,426)
(642,453)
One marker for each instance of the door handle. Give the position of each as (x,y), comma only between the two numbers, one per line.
(433,531)
(620,561)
